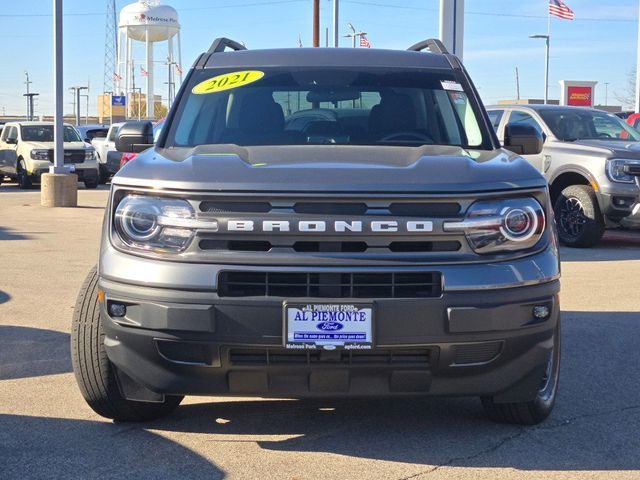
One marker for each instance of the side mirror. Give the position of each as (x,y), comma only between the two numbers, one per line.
(134,137)
(87,140)
(522,139)
(12,141)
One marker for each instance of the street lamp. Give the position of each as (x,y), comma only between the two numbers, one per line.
(546,66)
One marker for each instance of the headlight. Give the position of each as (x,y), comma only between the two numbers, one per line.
(615,170)
(501,225)
(155,223)
(40,154)
(89,155)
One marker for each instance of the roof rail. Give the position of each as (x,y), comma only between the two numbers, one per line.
(433,44)
(220,44)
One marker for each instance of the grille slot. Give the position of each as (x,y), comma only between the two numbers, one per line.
(235,245)
(330,285)
(474,353)
(210,206)
(425,209)
(266,357)
(414,247)
(322,208)
(351,247)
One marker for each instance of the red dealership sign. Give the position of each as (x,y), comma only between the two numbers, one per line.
(579,96)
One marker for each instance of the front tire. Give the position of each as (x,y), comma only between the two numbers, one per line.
(94,372)
(578,217)
(537,410)
(24,180)
(91,184)
(103,175)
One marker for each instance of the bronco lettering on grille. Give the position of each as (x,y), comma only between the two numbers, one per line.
(321,226)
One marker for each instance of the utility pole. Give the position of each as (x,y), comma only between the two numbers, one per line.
(316,23)
(30,108)
(517,84)
(606,94)
(354,34)
(336,25)
(452,25)
(29,104)
(77,95)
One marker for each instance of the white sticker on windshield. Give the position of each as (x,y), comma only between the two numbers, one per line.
(452,86)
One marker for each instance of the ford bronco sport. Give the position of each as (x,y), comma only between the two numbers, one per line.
(323,222)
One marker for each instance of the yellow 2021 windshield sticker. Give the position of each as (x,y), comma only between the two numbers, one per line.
(228,81)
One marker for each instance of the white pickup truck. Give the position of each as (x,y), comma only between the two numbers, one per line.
(108,157)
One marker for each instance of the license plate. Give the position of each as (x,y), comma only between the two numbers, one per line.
(328,326)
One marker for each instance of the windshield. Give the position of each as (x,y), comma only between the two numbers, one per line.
(325,106)
(44,133)
(576,124)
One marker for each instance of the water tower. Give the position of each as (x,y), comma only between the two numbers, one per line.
(150,23)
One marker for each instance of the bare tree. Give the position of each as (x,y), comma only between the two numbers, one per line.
(627,97)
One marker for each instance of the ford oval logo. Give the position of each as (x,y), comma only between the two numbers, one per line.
(329,326)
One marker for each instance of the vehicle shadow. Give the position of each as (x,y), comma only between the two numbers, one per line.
(4,297)
(10,234)
(37,447)
(32,352)
(616,245)
(595,401)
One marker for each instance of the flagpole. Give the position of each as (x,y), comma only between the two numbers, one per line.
(546,66)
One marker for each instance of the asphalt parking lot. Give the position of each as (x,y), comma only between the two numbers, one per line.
(47,430)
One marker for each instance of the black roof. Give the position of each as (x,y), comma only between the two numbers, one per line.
(326,57)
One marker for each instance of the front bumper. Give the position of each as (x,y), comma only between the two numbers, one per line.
(620,205)
(84,173)
(466,342)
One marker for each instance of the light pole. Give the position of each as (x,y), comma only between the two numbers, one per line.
(546,66)
(354,34)
(606,94)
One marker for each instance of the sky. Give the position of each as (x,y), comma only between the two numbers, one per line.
(599,45)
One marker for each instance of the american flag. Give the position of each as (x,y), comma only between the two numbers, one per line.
(300,42)
(178,70)
(143,72)
(116,77)
(558,8)
(364,43)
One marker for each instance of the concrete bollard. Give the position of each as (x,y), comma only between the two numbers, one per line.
(59,190)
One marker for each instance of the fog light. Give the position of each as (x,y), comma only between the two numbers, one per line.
(541,312)
(117,310)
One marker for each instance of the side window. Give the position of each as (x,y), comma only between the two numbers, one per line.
(495,116)
(112,134)
(5,132)
(524,119)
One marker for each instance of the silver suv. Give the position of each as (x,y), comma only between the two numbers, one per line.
(584,158)
(315,222)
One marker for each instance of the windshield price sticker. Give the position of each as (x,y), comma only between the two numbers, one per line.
(451,86)
(227,81)
(329,326)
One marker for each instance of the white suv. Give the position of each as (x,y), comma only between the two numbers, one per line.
(26,152)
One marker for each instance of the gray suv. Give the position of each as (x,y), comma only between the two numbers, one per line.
(323,222)
(584,158)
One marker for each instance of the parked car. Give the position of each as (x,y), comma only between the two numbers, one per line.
(108,156)
(634,120)
(89,132)
(238,257)
(26,152)
(583,159)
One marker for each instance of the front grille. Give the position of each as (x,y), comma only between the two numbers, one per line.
(70,156)
(329,247)
(266,357)
(330,285)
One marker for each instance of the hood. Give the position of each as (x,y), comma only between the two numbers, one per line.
(329,168)
(619,148)
(50,145)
